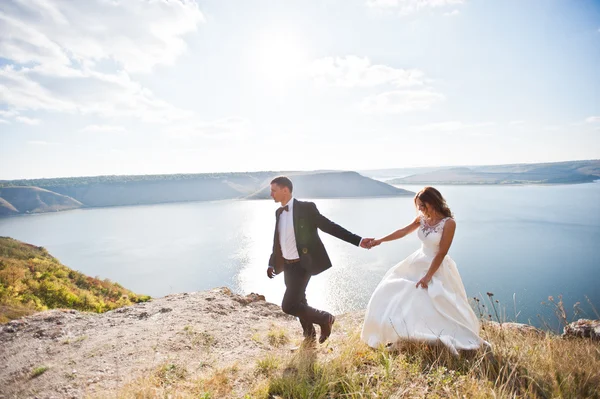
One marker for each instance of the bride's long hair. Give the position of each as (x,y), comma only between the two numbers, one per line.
(431,196)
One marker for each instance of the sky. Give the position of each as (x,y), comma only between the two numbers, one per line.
(122,87)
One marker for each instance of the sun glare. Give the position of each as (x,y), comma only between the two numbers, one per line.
(280,58)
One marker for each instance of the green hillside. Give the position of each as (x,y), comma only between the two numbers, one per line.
(32,280)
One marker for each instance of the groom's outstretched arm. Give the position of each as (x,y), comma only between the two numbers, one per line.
(332,228)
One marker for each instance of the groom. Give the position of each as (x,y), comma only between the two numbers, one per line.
(299,253)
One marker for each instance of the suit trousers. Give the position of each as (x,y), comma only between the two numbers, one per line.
(294,302)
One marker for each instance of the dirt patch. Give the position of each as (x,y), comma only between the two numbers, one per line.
(70,354)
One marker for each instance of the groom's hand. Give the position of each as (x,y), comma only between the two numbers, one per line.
(366,243)
(270,272)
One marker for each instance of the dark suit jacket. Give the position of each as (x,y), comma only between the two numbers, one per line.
(313,255)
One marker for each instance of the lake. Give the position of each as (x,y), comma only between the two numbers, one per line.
(522,243)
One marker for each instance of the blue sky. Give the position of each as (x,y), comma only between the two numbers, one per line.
(145,87)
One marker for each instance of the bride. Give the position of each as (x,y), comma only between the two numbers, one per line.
(423,298)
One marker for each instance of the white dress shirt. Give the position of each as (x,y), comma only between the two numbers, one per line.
(287,238)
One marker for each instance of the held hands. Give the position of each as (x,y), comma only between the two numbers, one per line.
(365,243)
(368,243)
(375,243)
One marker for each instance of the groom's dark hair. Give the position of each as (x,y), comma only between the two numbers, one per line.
(283,181)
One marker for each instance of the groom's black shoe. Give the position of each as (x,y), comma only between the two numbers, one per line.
(326,328)
(308,329)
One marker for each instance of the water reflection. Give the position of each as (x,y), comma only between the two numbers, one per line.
(355,273)
(528,240)
(257,230)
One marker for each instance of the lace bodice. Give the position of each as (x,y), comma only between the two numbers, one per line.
(430,235)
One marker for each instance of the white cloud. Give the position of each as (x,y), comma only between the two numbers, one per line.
(221,129)
(20,91)
(38,142)
(452,13)
(406,89)
(450,126)
(86,92)
(103,129)
(28,121)
(78,57)
(516,123)
(4,121)
(593,119)
(60,32)
(400,101)
(354,71)
(8,113)
(411,6)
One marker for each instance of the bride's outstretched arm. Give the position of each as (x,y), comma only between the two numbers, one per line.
(398,233)
(445,242)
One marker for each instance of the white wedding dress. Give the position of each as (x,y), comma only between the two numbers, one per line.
(398,310)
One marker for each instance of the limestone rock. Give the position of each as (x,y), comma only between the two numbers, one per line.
(584,328)
(520,327)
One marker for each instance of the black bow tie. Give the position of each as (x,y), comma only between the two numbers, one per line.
(283,208)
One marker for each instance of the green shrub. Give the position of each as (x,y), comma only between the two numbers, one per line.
(33,280)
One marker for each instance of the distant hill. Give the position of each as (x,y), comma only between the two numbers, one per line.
(540,173)
(149,189)
(43,195)
(335,185)
(33,199)
(387,174)
(6,208)
(32,280)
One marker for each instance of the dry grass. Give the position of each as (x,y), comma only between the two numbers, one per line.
(277,337)
(36,372)
(199,339)
(267,365)
(16,311)
(520,365)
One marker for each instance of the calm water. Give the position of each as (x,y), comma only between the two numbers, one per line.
(519,242)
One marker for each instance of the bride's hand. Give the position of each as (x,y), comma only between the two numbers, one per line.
(424,282)
(374,243)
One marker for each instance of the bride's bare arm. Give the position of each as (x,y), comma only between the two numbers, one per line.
(398,233)
(445,242)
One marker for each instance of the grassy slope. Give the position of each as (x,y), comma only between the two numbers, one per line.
(6,208)
(33,280)
(33,200)
(521,364)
